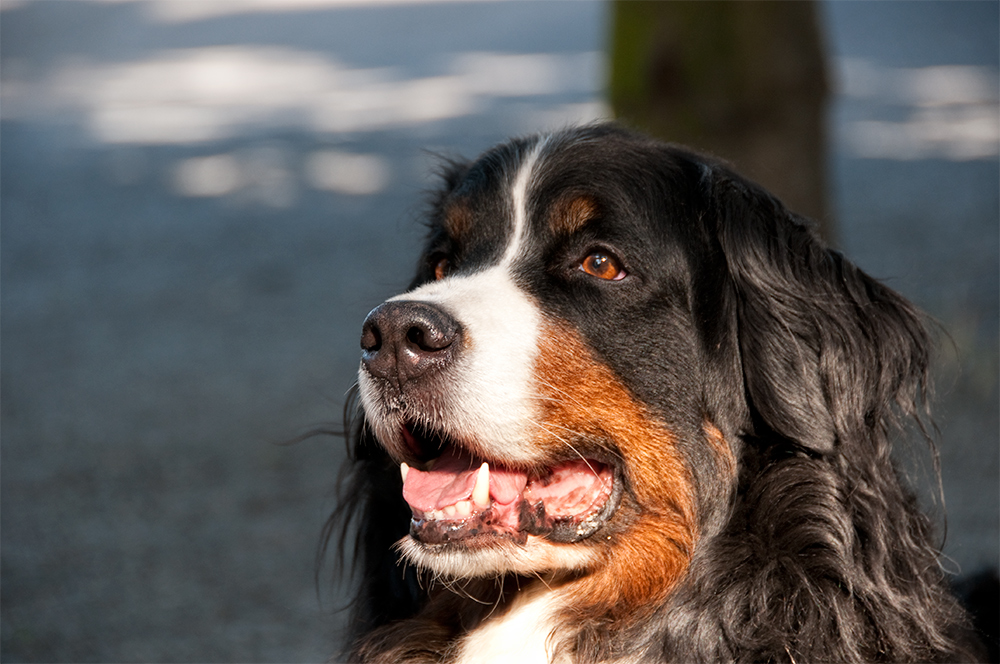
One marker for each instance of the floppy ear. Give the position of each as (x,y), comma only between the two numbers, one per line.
(449,172)
(826,350)
(370,518)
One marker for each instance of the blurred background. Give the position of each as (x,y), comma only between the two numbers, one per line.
(200,201)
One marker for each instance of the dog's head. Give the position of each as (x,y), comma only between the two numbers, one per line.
(600,325)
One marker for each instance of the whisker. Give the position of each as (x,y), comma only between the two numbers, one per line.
(539,576)
(551,429)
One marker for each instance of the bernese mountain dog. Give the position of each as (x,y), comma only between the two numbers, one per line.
(633,410)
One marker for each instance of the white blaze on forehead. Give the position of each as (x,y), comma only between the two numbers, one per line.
(519,201)
(490,392)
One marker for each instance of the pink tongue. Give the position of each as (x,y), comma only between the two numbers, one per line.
(452,480)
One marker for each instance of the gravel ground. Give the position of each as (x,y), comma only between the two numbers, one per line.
(159,339)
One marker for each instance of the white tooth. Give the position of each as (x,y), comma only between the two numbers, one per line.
(450,511)
(403,470)
(481,492)
(464,508)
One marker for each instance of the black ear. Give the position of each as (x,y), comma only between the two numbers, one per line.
(370,518)
(450,172)
(826,350)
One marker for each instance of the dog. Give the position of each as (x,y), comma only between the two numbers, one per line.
(632,409)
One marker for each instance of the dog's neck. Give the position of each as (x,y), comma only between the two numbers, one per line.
(521,634)
(532,630)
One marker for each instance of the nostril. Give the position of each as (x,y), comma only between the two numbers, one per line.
(371,338)
(415,336)
(429,338)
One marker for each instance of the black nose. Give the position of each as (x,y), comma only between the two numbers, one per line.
(402,341)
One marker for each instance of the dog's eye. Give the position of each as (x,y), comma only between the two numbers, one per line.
(603,266)
(441,268)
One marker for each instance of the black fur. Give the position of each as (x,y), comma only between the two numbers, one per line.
(815,551)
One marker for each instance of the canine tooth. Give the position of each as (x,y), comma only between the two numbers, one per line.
(463,508)
(403,470)
(481,492)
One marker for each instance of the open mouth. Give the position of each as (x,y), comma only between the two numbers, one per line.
(458,498)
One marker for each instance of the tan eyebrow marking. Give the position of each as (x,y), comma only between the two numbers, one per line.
(457,219)
(571,213)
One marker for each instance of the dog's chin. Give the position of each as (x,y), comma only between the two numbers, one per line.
(496,556)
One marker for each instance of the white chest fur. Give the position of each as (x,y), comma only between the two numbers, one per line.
(520,635)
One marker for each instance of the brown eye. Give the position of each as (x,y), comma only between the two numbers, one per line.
(441,269)
(602,266)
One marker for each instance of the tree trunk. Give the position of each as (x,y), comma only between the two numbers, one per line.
(744,81)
